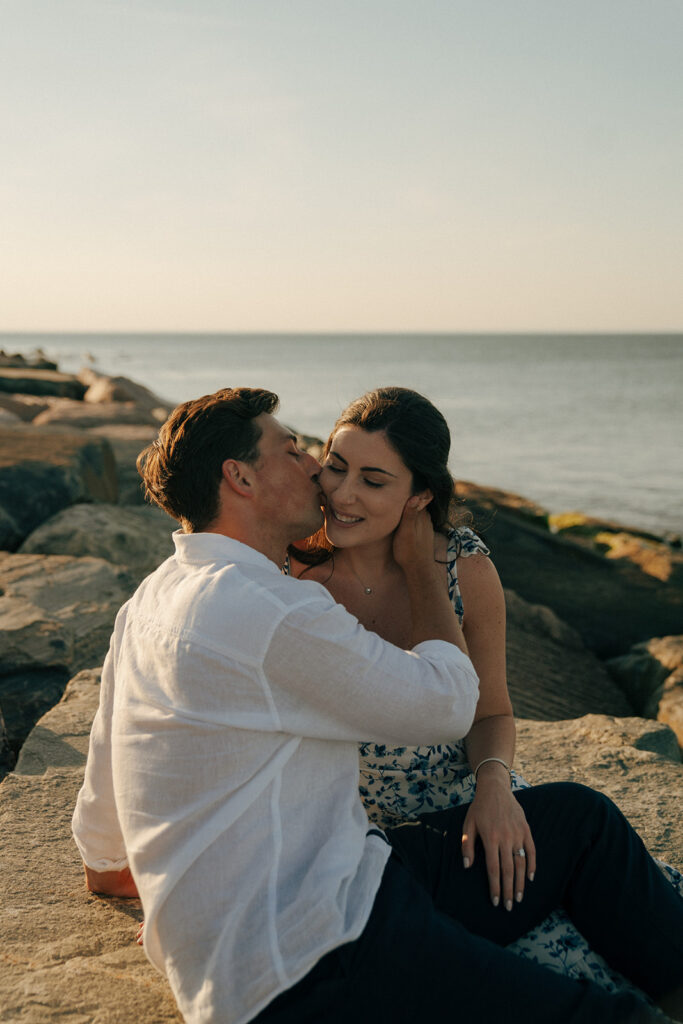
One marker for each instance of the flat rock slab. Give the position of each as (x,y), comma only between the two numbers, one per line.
(551,675)
(634,761)
(41,382)
(65,954)
(43,471)
(90,414)
(69,956)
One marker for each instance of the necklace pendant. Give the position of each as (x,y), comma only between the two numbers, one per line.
(368,590)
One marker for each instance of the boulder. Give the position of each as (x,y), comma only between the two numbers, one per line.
(66,955)
(57,611)
(36,361)
(551,674)
(612,603)
(40,382)
(636,762)
(651,674)
(26,407)
(138,537)
(43,471)
(8,418)
(127,441)
(93,414)
(104,389)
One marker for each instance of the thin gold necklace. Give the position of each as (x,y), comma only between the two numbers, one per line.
(366,590)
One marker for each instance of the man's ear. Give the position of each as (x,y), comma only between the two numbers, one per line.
(238,478)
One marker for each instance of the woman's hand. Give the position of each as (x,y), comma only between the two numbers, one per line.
(497,819)
(414,538)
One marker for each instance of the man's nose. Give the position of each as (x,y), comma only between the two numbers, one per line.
(313,467)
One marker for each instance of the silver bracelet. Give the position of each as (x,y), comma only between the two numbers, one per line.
(499,760)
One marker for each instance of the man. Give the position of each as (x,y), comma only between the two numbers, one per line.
(222,778)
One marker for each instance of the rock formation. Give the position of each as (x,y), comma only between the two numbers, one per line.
(76,538)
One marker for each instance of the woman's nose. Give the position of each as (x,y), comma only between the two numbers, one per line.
(344,492)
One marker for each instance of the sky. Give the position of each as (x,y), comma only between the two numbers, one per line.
(341,165)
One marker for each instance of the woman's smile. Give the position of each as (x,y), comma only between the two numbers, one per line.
(344,520)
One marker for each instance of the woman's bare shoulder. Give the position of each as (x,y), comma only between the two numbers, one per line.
(478,575)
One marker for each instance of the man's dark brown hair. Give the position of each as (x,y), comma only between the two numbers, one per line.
(182,469)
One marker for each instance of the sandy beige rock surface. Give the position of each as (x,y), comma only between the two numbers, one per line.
(65,955)
(58,610)
(68,956)
(636,762)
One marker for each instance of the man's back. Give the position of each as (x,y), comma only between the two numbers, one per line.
(242,821)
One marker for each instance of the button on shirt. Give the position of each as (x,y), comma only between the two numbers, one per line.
(223,768)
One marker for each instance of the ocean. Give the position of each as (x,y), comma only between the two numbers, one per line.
(573,422)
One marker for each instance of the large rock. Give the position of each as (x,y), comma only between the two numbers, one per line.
(127,441)
(36,361)
(551,675)
(57,611)
(83,415)
(43,471)
(121,389)
(138,537)
(612,602)
(71,956)
(26,407)
(40,382)
(66,955)
(636,762)
(652,675)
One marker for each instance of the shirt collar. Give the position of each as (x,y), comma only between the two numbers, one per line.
(216,547)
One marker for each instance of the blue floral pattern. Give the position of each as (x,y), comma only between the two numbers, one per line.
(400,783)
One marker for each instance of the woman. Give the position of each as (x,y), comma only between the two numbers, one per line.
(387,446)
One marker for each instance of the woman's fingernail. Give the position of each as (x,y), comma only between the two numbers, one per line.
(508,904)
(495,901)
(466,862)
(518,897)
(531,876)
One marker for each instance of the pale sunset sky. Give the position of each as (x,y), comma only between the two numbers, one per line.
(370,165)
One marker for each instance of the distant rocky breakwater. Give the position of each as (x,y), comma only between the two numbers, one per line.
(595,650)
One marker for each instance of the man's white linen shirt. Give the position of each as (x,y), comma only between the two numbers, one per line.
(223,768)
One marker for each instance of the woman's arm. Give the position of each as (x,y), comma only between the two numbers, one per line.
(494,816)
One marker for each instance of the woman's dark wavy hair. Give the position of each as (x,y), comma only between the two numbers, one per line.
(182,469)
(418,432)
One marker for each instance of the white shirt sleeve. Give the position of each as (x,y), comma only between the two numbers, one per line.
(95,823)
(332,679)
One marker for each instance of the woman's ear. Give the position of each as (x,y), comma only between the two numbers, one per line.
(237,477)
(424,498)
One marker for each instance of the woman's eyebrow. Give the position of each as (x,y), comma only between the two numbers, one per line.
(364,469)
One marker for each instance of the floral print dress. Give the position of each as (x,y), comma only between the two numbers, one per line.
(400,783)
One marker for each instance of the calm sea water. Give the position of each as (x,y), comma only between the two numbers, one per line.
(573,422)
